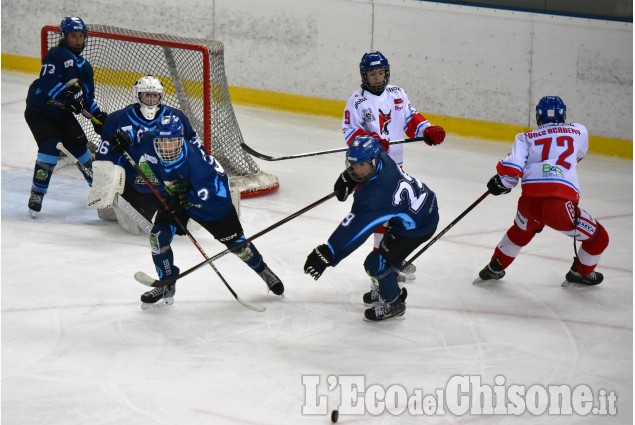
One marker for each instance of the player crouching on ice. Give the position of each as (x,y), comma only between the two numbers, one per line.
(199,189)
(383,193)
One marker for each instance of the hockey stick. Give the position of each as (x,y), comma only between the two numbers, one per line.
(178,222)
(302,155)
(444,231)
(167,208)
(119,201)
(144,279)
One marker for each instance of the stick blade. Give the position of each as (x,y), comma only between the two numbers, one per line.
(258,308)
(144,279)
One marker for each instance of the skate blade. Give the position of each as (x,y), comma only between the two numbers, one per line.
(33,214)
(163,302)
(567,284)
(477,281)
(390,319)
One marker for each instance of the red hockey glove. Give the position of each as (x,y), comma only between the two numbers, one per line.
(433,135)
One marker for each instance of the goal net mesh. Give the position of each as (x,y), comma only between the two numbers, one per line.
(192,72)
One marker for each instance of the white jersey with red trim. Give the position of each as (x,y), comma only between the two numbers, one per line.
(545,159)
(388,116)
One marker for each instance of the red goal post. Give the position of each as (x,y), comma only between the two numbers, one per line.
(192,72)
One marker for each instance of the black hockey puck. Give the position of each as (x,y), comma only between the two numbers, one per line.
(335,416)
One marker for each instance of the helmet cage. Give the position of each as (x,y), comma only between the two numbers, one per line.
(168,148)
(149,106)
(168,140)
(363,149)
(370,62)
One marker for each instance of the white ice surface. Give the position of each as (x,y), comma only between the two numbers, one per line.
(77,349)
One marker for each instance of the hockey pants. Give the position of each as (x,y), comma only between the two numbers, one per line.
(566,217)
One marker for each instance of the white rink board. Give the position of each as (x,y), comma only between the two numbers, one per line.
(484,64)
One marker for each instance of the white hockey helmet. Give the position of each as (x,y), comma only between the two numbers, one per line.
(148,92)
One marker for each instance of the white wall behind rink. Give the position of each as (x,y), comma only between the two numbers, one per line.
(477,63)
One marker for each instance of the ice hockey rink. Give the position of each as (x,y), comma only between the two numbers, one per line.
(77,349)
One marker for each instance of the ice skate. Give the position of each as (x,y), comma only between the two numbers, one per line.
(158,297)
(386,310)
(572,277)
(492,271)
(35,203)
(273,282)
(372,298)
(407,273)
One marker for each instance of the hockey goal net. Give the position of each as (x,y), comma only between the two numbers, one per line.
(192,72)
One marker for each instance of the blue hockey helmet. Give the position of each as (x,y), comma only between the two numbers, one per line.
(362,149)
(551,109)
(370,62)
(168,138)
(73,24)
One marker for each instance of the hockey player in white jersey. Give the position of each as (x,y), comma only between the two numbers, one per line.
(545,160)
(383,111)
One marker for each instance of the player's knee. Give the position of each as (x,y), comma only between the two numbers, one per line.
(521,237)
(376,264)
(598,242)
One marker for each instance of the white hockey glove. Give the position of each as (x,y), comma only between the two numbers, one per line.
(108,180)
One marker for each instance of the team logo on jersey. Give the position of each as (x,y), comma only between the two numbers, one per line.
(549,170)
(68,63)
(145,167)
(368,115)
(398,101)
(384,121)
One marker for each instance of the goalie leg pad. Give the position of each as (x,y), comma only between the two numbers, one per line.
(108,180)
(126,223)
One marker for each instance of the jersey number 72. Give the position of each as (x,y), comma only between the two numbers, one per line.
(560,141)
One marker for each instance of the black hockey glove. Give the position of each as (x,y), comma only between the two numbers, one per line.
(178,214)
(344,186)
(74,99)
(100,116)
(496,187)
(120,142)
(317,261)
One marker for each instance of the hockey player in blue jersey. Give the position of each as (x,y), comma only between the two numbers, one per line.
(123,129)
(199,189)
(65,87)
(383,193)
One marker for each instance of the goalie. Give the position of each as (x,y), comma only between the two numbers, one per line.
(123,129)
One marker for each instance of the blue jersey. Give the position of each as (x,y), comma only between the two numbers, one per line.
(196,178)
(58,68)
(132,121)
(389,195)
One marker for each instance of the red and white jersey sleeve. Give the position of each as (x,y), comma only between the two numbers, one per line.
(389,115)
(545,160)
